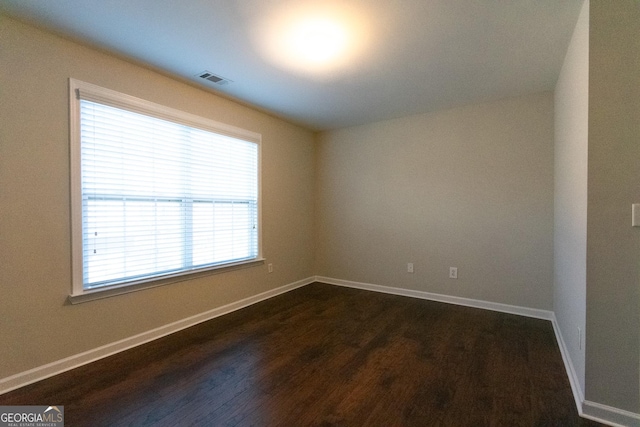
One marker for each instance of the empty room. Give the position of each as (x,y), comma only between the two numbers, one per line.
(305,212)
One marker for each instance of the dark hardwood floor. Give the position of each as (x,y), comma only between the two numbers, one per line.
(327,356)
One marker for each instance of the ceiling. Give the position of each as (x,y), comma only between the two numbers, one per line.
(412,56)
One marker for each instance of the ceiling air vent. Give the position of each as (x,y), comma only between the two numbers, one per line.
(208,75)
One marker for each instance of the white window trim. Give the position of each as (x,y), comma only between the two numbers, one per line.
(91,92)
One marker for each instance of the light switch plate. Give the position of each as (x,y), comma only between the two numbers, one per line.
(635,215)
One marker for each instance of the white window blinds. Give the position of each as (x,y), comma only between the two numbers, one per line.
(160,197)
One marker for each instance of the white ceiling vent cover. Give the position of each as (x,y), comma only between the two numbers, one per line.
(208,75)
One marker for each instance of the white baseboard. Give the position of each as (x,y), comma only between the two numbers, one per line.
(594,411)
(36,374)
(467,302)
(578,393)
(609,415)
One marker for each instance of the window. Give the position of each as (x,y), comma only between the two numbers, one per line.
(157,193)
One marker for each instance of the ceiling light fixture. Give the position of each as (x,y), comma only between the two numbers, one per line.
(318,38)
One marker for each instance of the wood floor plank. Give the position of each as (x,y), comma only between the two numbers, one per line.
(323,355)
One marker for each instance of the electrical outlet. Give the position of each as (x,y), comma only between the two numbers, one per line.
(410,267)
(453,272)
(270,268)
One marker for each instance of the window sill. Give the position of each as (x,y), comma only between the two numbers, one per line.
(107,292)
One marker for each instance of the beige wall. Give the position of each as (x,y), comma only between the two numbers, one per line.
(613,246)
(36,326)
(470,187)
(571,110)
